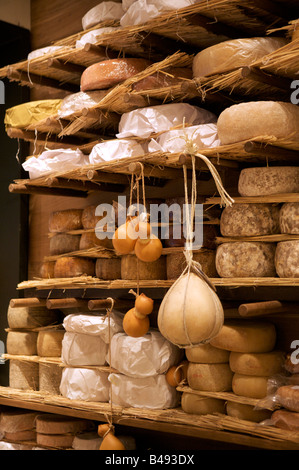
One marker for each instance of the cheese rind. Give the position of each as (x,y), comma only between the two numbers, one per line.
(176,263)
(195,404)
(30,317)
(289,218)
(260,364)
(269,180)
(21,343)
(65,221)
(64,243)
(287,259)
(49,343)
(209,377)
(207,354)
(23,375)
(132,268)
(73,267)
(108,268)
(250,386)
(246,412)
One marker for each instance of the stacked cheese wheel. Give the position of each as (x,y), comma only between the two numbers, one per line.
(18,425)
(49,345)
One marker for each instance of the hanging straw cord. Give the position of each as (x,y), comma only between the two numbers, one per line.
(109,418)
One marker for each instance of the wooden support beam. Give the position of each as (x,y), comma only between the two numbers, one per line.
(269,307)
(266,150)
(276,9)
(30,189)
(100,304)
(68,67)
(33,79)
(27,302)
(66,303)
(114,178)
(100,52)
(81,185)
(30,136)
(257,75)
(162,43)
(216,27)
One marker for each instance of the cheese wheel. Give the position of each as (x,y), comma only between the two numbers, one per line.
(59,424)
(207,354)
(17,420)
(289,218)
(260,364)
(31,317)
(250,386)
(108,268)
(286,258)
(228,55)
(246,337)
(288,397)
(65,221)
(132,268)
(23,375)
(49,343)
(170,76)
(246,259)
(265,181)
(258,118)
(74,267)
(89,218)
(209,377)
(90,240)
(21,343)
(284,419)
(176,262)
(246,412)
(245,220)
(50,378)
(29,435)
(47,270)
(87,441)
(195,404)
(64,243)
(107,73)
(56,441)
(176,236)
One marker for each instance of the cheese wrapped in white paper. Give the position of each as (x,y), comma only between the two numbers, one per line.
(84,384)
(150,392)
(146,356)
(94,325)
(143,122)
(56,160)
(44,50)
(93,36)
(203,136)
(77,101)
(83,350)
(102,12)
(114,150)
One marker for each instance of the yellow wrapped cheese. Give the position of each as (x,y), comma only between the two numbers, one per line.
(25,114)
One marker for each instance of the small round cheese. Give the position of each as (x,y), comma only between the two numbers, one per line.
(29,435)
(195,404)
(246,259)
(260,364)
(287,258)
(246,412)
(207,354)
(65,221)
(250,386)
(209,377)
(17,420)
(268,180)
(289,218)
(49,378)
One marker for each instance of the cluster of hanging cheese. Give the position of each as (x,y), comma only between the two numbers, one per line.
(136,321)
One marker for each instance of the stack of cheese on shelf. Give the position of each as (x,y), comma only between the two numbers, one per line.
(16,426)
(49,345)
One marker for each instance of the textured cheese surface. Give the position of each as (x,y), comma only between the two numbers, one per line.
(49,378)
(176,263)
(59,424)
(55,440)
(110,72)
(209,377)
(246,412)
(89,218)
(264,181)
(287,258)
(245,220)
(228,55)
(64,243)
(73,267)
(66,220)
(17,420)
(21,342)
(132,269)
(108,268)
(30,317)
(23,375)
(246,259)
(246,336)
(29,435)
(90,240)
(47,270)
(260,364)
(284,419)
(289,218)
(258,118)
(207,354)
(195,404)
(250,386)
(49,343)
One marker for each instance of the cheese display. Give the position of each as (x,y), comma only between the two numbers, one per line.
(73,267)
(114,150)
(80,383)
(264,181)
(102,12)
(108,269)
(133,268)
(30,317)
(247,412)
(288,397)
(246,259)
(245,220)
(258,119)
(250,386)
(23,375)
(49,343)
(64,243)
(288,218)
(207,354)
(259,364)
(246,337)
(65,221)
(209,377)
(110,72)
(83,350)
(25,114)
(196,404)
(286,258)
(284,419)
(229,55)
(21,343)
(176,262)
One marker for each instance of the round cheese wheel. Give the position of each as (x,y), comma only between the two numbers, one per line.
(207,354)
(29,435)
(246,412)
(195,404)
(284,419)
(245,220)
(251,337)
(289,218)
(258,118)
(64,243)
(23,375)
(110,72)
(49,378)
(87,441)
(209,377)
(47,270)
(73,267)
(65,221)
(49,343)
(56,441)
(108,268)
(250,386)
(21,343)
(265,181)
(17,420)
(288,397)
(260,364)
(132,268)
(246,259)
(59,424)
(89,218)
(30,317)
(176,262)
(170,76)
(90,240)
(286,258)
(228,55)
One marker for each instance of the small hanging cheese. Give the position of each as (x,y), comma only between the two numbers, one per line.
(260,364)
(246,412)
(207,354)
(49,343)
(209,377)
(195,404)
(65,221)
(250,386)
(73,267)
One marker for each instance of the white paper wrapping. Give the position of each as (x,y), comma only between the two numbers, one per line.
(127,3)
(44,51)
(93,36)
(84,384)
(77,101)
(51,161)
(143,122)
(102,12)
(94,325)
(141,11)
(203,136)
(114,150)
(83,350)
(141,357)
(150,392)
(10,446)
